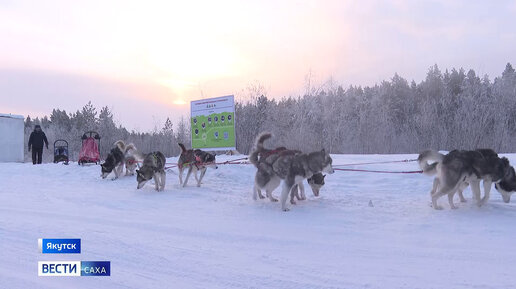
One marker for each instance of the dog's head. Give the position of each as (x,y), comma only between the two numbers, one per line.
(143,175)
(316,182)
(107,167)
(206,159)
(502,169)
(507,186)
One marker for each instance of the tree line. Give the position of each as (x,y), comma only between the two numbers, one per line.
(447,110)
(71,126)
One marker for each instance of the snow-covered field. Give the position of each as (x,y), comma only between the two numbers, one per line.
(216,236)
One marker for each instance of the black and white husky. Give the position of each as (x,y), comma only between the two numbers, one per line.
(292,168)
(153,168)
(114,161)
(458,169)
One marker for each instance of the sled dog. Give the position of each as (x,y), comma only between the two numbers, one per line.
(194,160)
(291,167)
(263,159)
(114,161)
(153,168)
(459,168)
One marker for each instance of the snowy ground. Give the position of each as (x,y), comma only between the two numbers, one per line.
(216,236)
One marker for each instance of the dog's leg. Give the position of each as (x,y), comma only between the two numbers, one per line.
(487,191)
(121,169)
(270,187)
(302,191)
(461,196)
(444,190)
(190,168)
(181,176)
(268,194)
(256,192)
(260,193)
(450,200)
(156,181)
(196,177)
(203,171)
(434,186)
(475,188)
(163,180)
(116,170)
(287,186)
(294,194)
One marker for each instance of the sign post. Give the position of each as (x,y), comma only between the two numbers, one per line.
(213,123)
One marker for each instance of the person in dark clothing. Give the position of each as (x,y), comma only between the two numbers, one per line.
(36,139)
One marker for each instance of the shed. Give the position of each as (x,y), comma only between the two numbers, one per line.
(11,137)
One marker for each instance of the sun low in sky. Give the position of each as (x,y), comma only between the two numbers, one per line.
(148,59)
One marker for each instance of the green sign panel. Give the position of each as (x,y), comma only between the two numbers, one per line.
(213,123)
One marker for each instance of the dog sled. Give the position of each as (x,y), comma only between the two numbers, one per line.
(90,148)
(61,151)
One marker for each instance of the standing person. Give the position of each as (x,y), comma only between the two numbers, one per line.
(36,139)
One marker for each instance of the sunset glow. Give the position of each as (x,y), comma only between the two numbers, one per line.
(172,52)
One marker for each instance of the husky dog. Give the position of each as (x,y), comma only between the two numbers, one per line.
(458,169)
(132,157)
(195,160)
(265,178)
(153,167)
(114,161)
(507,185)
(292,168)
(263,159)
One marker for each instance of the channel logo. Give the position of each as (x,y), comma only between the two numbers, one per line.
(74,268)
(59,246)
(59,268)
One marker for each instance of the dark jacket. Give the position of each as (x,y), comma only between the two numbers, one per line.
(36,139)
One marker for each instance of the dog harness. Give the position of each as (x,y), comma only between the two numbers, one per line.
(197,163)
(158,162)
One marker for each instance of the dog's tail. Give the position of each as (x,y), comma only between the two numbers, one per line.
(182,146)
(121,145)
(430,155)
(130,147)
(258,147)
(132,151)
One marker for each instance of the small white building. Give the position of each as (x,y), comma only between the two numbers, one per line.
(11,138)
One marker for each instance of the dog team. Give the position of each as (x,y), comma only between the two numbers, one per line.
(153,164)
(452,172)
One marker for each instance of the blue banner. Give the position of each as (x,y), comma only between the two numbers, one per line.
(59,246)
(95,268)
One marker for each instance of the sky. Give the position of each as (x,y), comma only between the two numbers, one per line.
(146,60)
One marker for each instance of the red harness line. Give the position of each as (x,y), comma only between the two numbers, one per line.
(241,161)
(373,163)
(382,172)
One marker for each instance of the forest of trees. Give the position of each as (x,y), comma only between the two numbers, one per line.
(447,110)
(71,126)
